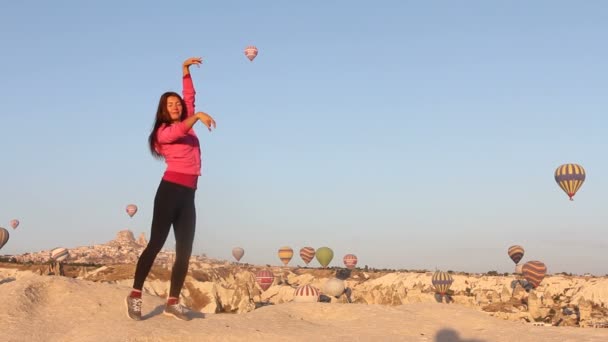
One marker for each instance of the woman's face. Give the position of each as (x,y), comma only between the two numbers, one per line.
(174,108)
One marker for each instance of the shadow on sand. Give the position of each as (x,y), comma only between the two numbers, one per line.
(159,311)
(7,280)
(451,335)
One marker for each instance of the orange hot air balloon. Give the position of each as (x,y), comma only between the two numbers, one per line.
(14,223)
(570,177)
(307,253)
(534,272)
(285,254)
(264,278)
(131,209)
(350,261)
(516,252)
(4,236)
(251,52)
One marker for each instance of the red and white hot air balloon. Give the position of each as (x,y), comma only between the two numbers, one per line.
(350,261)
(264,278)
(306,294)
(14,223)
(251,52)
(131,209)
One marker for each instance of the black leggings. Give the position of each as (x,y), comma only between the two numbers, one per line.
(173,204)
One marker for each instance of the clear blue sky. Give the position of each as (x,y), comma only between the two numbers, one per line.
(412,134)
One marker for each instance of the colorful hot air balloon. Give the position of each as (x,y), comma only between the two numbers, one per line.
(570,177)
(131,209)
(307,253)
(285,254)
(264,278)
(237,253)
(324,256)
(60,254)
(306,294)
(4,236)
(534,272)
(516,253)
(442,282)
(14,223)
(251,52)
(350,261)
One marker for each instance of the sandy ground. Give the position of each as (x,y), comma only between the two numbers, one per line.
(52,308)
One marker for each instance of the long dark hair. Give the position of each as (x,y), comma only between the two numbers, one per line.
(163,117)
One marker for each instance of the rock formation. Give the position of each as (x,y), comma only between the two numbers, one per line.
(142,240)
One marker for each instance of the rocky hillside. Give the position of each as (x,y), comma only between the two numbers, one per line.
(216,288)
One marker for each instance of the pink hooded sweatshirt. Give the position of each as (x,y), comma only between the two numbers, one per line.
(180,146)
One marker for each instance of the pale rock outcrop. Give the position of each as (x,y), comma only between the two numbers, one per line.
(141,240)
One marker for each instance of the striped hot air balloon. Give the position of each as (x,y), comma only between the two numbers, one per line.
(285,254)
(60,254)
(237,253)
(251,52)
(4,236)
(14,223)
(306,294)
(350,261)
(516,253)
(534,272)
(570,177)
(131,209)
(264,278)
(307,253)
(442,282)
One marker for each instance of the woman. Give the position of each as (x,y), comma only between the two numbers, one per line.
(174,140)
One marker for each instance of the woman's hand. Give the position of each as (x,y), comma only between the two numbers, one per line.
(192,60)
(206,119)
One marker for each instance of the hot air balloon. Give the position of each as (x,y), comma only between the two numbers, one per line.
(350,261)
(306,294)
(285,254)
(14,223)
(264,278)
(570,177)
(534,272)
(237,253)
(442,282)
(251,52)
(516,253)
(307,253)
(131,209)
(4,235)
(324,256)
(59,254)
(334,287)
